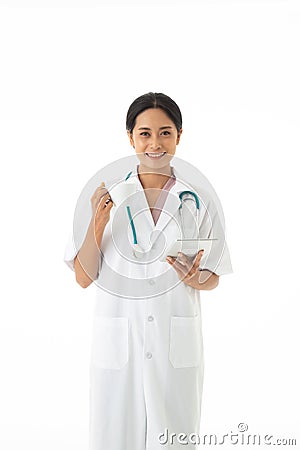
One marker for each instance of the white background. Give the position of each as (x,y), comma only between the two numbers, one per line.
(68,75)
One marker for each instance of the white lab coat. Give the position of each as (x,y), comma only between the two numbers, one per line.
(146,371)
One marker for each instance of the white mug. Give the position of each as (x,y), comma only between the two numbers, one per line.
(122,191)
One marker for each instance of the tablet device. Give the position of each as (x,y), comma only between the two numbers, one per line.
(189,247)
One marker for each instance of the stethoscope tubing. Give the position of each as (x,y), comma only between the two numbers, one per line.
(132,225)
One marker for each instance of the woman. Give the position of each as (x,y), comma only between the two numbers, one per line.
(146,368)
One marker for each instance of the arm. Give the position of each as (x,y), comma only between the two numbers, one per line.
(207,280)
(86,263)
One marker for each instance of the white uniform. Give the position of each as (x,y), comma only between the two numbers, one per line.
(146,371)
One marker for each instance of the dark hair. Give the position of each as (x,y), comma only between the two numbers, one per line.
(153,100)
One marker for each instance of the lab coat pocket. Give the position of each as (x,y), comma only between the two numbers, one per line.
(185,341)
(110,342)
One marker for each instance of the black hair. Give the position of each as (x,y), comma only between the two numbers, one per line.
(153,100)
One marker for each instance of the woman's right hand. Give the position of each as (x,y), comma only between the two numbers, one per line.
(101,206)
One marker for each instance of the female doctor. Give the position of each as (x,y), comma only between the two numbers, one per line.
(146,372)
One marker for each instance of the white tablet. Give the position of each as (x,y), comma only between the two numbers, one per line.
(189,247)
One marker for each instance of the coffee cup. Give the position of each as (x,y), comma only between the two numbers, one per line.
(121,192)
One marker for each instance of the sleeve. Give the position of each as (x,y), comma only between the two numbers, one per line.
(212,225)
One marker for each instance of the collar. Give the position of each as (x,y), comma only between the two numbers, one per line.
(179,186)
(172,202)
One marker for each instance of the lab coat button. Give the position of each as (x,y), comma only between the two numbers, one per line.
(149,355)
(150,318)
(151,281)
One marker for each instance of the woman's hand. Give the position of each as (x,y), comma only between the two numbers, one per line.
(187,268)
(188,271)
(101,206)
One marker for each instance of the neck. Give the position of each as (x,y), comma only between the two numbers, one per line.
(154,178)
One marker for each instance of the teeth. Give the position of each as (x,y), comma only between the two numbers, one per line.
(155,155)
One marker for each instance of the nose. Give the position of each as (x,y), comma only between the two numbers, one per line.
(155,144)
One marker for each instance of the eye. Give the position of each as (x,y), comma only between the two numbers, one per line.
(168,132)
(144,132)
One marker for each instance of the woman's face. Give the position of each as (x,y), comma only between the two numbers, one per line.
(154,138)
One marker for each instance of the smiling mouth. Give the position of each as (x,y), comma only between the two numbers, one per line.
(155,155)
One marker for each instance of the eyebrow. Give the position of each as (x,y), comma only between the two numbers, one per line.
(161,128)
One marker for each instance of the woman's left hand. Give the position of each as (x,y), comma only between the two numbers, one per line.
(187,267)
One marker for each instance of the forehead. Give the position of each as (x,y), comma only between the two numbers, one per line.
(153,116)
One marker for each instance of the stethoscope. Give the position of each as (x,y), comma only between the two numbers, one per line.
(138,252)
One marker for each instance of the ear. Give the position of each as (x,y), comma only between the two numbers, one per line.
(179,133)
(130,138)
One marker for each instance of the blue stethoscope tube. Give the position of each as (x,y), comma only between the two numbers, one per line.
(132,225)
(193,194)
